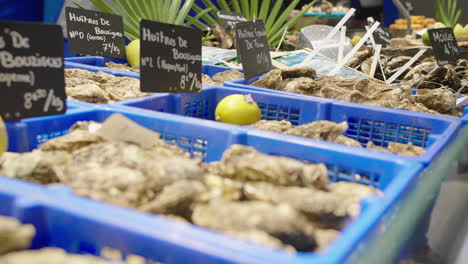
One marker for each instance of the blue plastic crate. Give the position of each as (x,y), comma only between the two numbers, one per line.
(64,221)
(245,84)
(118,73)
(17,138)
(163,240)
(174,129)
(366,123)
(96,63)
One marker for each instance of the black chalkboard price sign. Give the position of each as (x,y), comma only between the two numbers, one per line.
(253,47)
(444,45)
(170,58)
(382,36)
(229,20)
(95,33)
(32,81)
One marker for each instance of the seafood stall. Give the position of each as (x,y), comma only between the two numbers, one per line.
(232,132)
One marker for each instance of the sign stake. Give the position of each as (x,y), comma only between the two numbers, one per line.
(355,49)
(406,66)
(282,38)
(375,60)
(342,40)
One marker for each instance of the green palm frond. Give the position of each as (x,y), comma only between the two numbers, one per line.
(275,21)
(166,11)
(447,12)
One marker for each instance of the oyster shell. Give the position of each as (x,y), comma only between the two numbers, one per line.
(273,125)
(122,67)
(14,235)
(51,255)
(100,87)
(296,72)
(272,80)
(229,75)
(238,165)
(280,221)
(306,200)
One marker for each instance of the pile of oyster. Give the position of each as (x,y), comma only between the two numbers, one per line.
(100,87)
(275,201)
(423,74)
(104,88)
(333,132)
(16,238)
(221,77)
(360,90)
(217,79)
(428,75)
(122,67)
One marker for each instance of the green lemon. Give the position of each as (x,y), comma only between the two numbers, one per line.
(426,40)
(238,109)
(3,137)
(133,53)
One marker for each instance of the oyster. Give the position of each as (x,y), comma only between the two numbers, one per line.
(221,77)
(221,188)
(272,80)
(207,80)
(36,166)
(273,125)
(51,255)
(306,200)
(298,85)
(122,67)
(405,149)
(280,221)
(14,235)
(324,237)
(100,87)
(295,72)
(285,171)
(229,75)
(441,100)
(90,93)
(176,198)
(322,130)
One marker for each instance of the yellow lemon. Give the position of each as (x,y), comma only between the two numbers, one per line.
(465,30)
(3,137)
(355,40)
(238,109)
(439,25)
(458,30)
(133,53)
